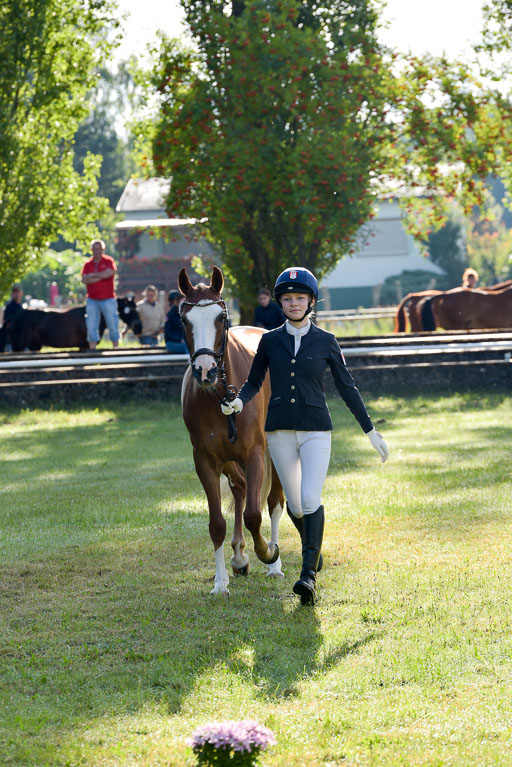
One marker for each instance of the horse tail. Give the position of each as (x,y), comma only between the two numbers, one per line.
(226,496)
(400,319)
(267,479)
(227,499)
(427,315)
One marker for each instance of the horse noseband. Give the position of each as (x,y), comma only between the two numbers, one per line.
(210,353)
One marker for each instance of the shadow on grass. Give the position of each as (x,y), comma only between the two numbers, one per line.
(105,625)
(108,629)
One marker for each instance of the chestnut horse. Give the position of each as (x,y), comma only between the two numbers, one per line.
(412,302)
(468,309)
(220,358)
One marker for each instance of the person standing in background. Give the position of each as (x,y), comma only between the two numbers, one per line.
(469,278)
(173,329)
(267,314)
(12,309)
(151,315)
(98,276)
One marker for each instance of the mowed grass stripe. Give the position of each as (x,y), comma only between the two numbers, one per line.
(112,649)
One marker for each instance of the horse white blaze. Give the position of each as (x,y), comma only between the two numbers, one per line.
(202,319)
(275,570)
(221,573)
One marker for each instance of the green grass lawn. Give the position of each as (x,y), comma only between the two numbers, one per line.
(112,650)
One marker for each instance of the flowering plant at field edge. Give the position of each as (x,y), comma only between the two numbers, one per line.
(233,744)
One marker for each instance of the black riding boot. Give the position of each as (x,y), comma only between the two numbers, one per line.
(298,523)
(312,537)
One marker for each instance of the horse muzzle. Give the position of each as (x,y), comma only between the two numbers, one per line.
(205,378)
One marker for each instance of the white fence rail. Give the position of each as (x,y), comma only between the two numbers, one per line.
(345,315)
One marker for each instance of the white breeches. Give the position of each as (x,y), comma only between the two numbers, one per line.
(301,459)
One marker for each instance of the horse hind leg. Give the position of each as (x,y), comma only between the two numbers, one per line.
(275,506)
(234,477)
(267,552)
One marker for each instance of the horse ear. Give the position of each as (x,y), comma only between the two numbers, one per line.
(217,280)
(184,283)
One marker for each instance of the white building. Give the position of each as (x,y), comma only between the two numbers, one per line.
(389,251)
(153,248)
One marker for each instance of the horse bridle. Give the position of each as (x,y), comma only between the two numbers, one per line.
(230,391)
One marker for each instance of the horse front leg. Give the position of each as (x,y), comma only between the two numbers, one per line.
(275,507)
(209,475)
(236,479)
(266,552)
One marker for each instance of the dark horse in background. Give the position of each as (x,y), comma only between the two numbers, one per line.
(220,357)
(468,309)
(34,328)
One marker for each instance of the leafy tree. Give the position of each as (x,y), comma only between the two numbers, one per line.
(63,267)
(287,119)
(447,249)
(395,287)
(98,133)
(490,252)
(49,51)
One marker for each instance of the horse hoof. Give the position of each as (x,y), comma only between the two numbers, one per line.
(241,570)
(275,556)
(275,574)
(218,593)
(275,571)
(221,592)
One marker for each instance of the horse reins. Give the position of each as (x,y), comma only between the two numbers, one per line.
(230,390)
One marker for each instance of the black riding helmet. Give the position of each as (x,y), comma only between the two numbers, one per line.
(297,279)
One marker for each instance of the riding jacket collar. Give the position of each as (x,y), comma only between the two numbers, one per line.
(297,333)
(288,340)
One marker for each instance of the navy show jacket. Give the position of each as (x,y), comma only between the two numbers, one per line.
(297,399)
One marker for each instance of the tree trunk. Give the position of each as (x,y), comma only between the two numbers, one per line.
(246,314)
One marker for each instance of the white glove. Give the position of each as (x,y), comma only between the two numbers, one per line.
(232,407)
(378,443)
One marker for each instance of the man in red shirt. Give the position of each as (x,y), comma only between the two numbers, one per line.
(98,275)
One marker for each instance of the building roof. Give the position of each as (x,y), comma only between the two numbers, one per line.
(153,223)
(143,194)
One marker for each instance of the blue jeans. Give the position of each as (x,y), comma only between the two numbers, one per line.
(176,347)
(106,307)
(148,340)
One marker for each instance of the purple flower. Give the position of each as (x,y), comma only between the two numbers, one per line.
(225,743)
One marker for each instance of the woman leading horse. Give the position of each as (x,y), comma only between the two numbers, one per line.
(298,423)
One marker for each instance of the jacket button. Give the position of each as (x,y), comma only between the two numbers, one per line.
(292,387)
(292,374)
(292,401)
(293,362)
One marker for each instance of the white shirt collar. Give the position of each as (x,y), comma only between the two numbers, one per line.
(293,331)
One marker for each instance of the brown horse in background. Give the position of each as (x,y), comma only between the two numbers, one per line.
(222,357)
(411,301)
(414,303)
(468,309)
